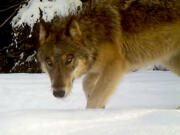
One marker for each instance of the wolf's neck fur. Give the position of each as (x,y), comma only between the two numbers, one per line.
(100,24)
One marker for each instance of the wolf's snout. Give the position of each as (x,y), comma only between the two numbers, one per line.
(59,93)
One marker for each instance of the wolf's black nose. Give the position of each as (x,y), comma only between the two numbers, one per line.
(84,0)
(59,93)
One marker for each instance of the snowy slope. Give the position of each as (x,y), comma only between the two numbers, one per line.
(144,104)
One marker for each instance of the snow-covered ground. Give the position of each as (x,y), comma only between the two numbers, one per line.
(144,103)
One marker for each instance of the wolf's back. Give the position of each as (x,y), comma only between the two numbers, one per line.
(140,14)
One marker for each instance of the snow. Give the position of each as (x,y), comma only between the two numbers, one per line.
(30,14)
(144,103)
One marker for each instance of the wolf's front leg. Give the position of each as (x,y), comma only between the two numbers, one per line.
(106,84)
(89,83)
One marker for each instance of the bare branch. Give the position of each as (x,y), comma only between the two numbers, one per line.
(6,9)
(16,6)
(8,19)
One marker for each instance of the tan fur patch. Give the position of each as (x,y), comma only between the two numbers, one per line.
(42,34)
(74,30)
(43,67)
(80,69)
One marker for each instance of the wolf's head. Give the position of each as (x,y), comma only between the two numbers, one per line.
(63,54)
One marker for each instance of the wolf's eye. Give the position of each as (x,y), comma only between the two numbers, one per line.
(69,59)
(48,62)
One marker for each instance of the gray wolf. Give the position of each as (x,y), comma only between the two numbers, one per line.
(107,41)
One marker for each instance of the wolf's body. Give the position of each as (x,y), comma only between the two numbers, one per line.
(107,41)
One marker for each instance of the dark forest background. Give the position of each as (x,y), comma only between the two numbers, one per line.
(15,57)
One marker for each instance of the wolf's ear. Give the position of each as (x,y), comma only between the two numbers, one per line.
(43,32)
(74,30)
